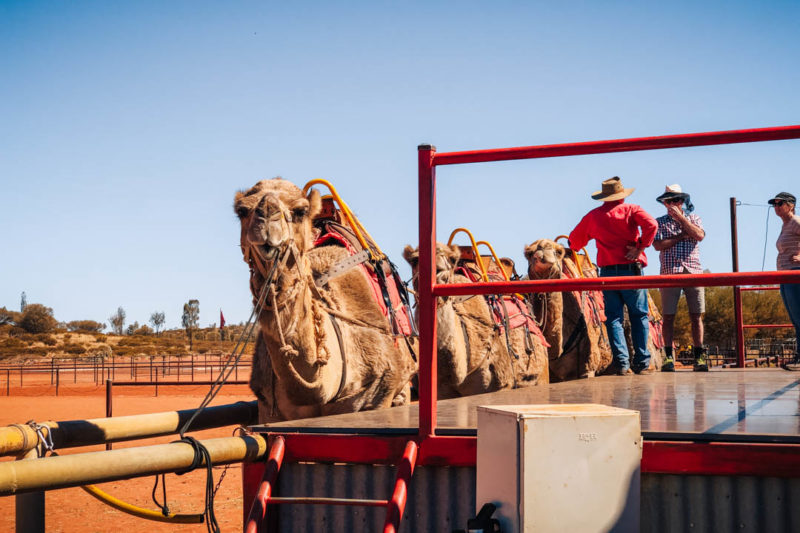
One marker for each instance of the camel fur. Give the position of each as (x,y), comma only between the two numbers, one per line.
(472,354)
(299,369)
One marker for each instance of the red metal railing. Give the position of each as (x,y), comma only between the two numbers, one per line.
(428,160)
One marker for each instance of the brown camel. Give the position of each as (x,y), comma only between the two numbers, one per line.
(574,320)
(323,348)
(571,321)
(472,350)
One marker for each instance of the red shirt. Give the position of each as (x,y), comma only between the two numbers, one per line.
(614,226)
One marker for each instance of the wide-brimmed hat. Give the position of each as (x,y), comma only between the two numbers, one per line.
(612,190)
(672,191)
(785,196)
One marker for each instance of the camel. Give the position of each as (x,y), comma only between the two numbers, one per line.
(572,322)
(323,348)
(472,349)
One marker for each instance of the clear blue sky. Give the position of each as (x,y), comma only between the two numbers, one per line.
(126,128)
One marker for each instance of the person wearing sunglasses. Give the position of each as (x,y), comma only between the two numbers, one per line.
(622,232)
(677,241)
(788,245)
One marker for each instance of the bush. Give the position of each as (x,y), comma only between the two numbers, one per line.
(89,326)
(37,318)
(101,338)
(74,349)
(48,340)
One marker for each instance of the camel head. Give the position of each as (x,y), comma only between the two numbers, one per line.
(446,259)
(544,259)
(273,214)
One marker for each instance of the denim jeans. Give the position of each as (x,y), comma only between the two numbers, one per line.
(790,292)
(636,302)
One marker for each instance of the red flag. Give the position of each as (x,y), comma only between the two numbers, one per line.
(221,319)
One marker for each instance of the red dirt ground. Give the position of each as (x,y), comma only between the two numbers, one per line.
(72,509)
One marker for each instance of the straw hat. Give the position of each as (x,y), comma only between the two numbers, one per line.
(612,190)
(672,191)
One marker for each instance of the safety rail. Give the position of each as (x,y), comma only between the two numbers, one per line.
(428,290)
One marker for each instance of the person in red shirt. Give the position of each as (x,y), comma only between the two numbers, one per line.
(622,232)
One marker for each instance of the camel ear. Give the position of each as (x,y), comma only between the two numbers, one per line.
(454,253)
(411,255)
(314,203)
(238,206)
(560,251)
(531,249)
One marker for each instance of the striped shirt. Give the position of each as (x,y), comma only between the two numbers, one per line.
(685,254)
(789,244)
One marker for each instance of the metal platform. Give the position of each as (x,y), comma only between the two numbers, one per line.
(731,405)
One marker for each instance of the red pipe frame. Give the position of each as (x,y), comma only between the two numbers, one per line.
(428,160)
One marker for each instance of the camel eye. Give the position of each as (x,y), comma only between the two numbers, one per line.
(242,211)
(299,212)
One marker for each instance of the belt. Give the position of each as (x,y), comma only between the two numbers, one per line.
(627,267)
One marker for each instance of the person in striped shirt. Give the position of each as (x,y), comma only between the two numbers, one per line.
(789,259)
(677,241)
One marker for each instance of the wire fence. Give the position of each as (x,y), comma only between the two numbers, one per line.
(164,369)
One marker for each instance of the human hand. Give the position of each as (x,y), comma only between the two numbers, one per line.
(632,253)
(675,212)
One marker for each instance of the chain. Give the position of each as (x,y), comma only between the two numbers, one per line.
(45,439)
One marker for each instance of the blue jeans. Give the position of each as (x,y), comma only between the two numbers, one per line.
(636,302)
(790,292)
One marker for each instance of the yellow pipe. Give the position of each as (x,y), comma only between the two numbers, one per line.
(575,255)
(62,471)
(499,265)
(141,512)
(355,225)
(478,259)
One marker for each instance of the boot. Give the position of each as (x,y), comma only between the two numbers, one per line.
(669,363)
(700,358)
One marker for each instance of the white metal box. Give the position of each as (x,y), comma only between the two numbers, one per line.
(564,467)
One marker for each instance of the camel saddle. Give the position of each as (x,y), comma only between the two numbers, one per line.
(388,290)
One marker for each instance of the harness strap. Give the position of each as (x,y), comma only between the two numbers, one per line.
(343,381)
(341,267)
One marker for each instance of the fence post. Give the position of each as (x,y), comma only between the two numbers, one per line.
(192,368)
(30,507)
(156,383)
(8,382)
(52,367)
(737,292)
(58,375)
(109,403)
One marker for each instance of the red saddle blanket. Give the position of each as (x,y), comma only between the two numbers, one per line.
(384,284)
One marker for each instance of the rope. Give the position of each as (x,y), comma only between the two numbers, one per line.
(201,455)
(766,234)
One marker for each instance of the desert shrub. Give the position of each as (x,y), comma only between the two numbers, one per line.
(67,337)
(48,340)
(27,337)
(101,338)
(37,318)
(89,326)
(40,351)
(144,330)
(72,348)
(13,342)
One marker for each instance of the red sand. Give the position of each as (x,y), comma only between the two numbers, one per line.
(73,509)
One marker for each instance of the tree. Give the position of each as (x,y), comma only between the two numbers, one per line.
(37,319)
(23,302)
(191,315)
(8,317)
(132,328)
(157,320)
(144,330)
(117,321)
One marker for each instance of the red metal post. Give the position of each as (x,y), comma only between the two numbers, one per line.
(737,291)
(397,503)
(259,509)
(425,299)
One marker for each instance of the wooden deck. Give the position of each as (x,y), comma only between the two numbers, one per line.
(751,405)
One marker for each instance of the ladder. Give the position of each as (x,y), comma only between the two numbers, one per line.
(256,521)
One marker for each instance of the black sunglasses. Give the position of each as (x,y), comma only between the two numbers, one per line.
(673,201)
(778,203)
